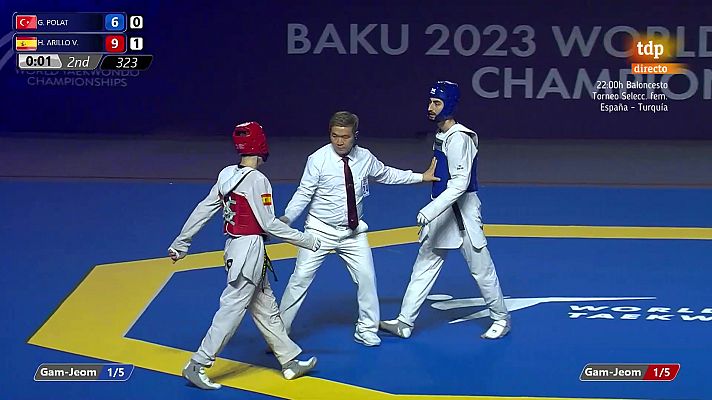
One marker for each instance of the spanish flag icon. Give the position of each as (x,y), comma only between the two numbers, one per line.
(26,43)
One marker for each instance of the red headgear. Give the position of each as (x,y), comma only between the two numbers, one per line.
(250,140)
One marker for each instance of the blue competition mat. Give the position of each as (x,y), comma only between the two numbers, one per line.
(575,301)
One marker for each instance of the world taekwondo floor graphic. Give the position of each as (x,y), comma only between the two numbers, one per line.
(592,275)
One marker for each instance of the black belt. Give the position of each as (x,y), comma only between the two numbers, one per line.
(458,216)
(267,265)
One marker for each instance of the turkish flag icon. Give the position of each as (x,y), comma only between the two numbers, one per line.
(25,22)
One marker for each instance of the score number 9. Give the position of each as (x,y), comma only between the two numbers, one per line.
(115,43)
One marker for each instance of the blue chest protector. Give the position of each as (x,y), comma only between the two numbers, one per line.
(442,171)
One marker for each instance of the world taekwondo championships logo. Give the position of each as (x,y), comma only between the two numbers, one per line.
(579,310)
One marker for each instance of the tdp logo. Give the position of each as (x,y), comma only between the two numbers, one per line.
(650,49)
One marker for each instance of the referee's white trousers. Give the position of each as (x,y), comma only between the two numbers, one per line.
(356,253)
(427,268)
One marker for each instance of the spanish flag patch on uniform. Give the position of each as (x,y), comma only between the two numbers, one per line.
(267,199)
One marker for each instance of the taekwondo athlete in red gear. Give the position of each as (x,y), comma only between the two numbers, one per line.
(451,220)
(334,186)
(245,196)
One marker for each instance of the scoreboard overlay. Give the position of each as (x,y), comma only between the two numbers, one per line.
(81,41)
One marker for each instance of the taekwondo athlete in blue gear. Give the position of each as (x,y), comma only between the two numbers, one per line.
(451,220)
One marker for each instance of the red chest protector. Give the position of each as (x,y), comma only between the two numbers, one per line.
(238,216)
(239,220)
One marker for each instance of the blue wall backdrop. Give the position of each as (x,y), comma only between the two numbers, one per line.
(526,69)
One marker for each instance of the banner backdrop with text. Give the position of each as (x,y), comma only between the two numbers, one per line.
(526,69)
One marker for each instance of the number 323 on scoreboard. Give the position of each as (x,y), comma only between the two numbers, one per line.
(127,62)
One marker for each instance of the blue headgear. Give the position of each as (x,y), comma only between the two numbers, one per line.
(449,93)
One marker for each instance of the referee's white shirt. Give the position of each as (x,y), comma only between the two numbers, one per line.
(323,186)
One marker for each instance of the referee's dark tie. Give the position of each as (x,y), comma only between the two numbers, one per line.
(350,195)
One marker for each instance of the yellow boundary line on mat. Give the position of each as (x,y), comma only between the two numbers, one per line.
(93,320)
